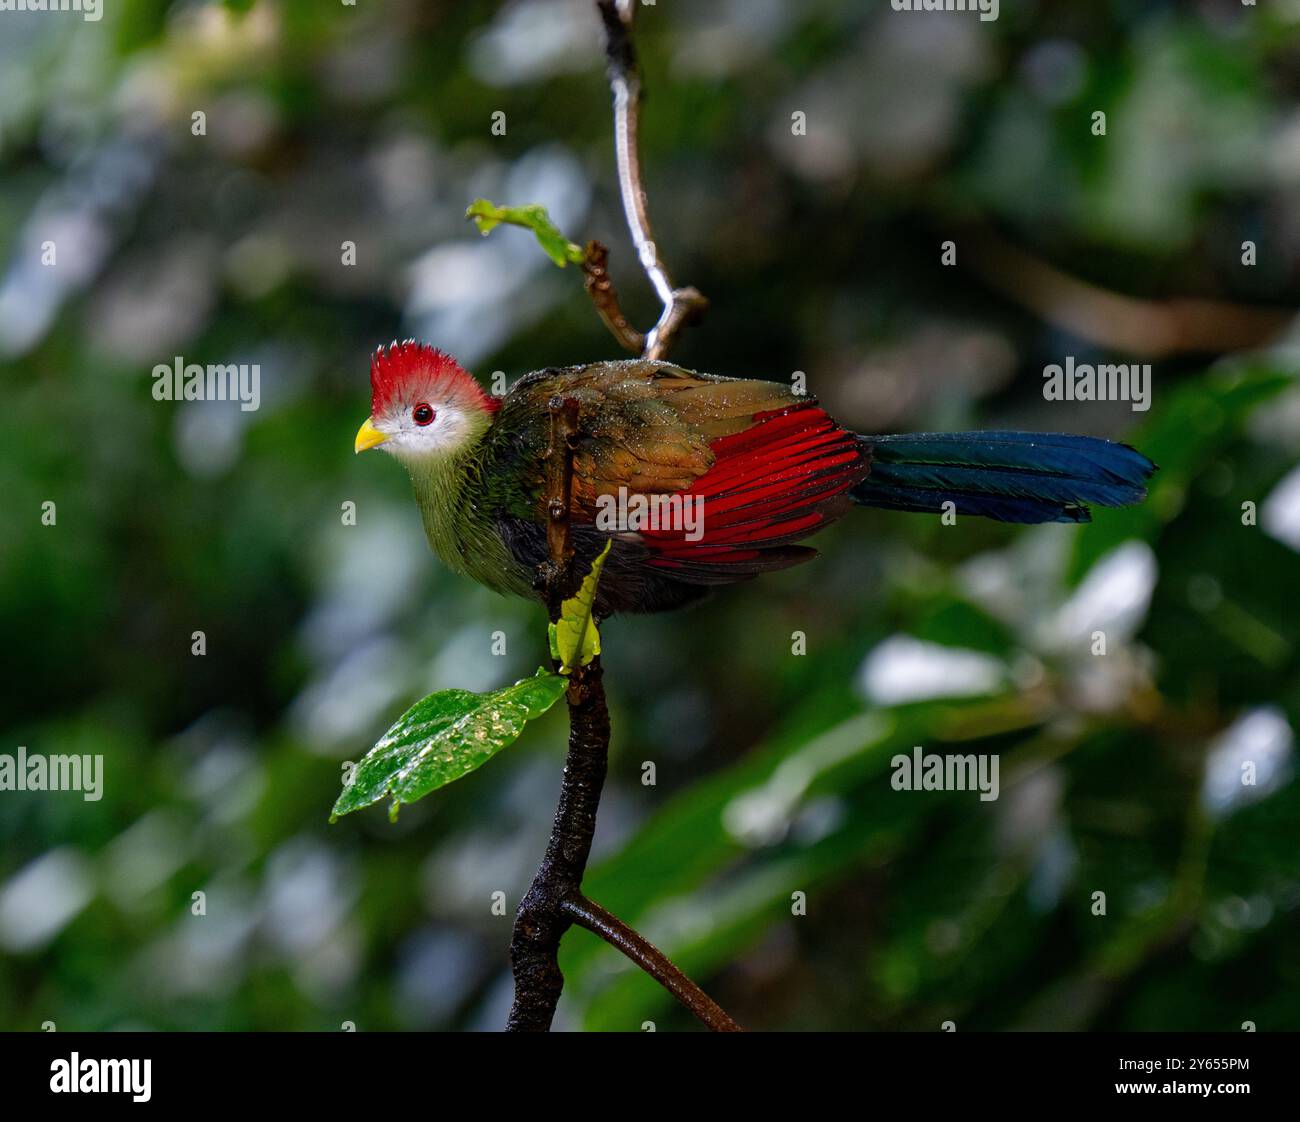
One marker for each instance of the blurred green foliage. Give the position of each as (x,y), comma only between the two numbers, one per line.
(771,857)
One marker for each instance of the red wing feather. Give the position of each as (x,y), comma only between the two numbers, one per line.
(779,480)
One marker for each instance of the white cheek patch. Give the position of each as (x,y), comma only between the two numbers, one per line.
(448,430)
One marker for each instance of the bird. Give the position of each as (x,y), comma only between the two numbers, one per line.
(762,467)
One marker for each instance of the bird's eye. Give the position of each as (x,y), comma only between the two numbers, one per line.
(423,414)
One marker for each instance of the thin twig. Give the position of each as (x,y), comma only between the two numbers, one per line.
(651,959)
(600,288)
(680,305)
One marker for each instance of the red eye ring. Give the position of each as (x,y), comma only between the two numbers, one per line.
(423,414)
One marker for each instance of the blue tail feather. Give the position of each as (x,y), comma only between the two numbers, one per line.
(1008,476)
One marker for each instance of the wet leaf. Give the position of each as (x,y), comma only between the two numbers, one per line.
(442,738)
(575,639)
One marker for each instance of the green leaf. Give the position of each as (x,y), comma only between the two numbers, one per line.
(443,737)
(575,638)
(488,216)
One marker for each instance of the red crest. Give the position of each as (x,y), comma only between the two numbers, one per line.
(410,372)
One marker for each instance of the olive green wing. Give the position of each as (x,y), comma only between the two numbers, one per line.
(643,426)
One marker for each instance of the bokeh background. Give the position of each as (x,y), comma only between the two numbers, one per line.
(328,123)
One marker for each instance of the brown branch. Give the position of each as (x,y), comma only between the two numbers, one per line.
(651,959)
(542,918)
(1151,329)
(680,305)
(596,280)
(554,899)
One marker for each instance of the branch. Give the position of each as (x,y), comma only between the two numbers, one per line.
(652,960)
(1151,329)
(542,919)
(680,305)
(601,290)
(554,899)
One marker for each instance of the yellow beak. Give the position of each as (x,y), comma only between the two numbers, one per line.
(368,437)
